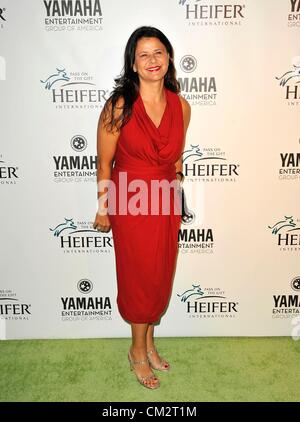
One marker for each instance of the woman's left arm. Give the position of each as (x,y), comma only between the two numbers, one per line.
(186,109)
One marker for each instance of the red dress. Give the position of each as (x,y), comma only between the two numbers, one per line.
(146,244)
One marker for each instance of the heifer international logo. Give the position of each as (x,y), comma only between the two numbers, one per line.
(202,13)
(79,238)
(208,165)
(8,173)
(74,90)
(207,303)
(287,234)
(75,15)
(289,82)
(11,308)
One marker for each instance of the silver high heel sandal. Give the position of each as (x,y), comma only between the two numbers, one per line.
(162,366)
(143,380)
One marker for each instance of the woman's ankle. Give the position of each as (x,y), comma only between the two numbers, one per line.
(137,349)
(150,345)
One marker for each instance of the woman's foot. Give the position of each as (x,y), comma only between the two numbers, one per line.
(156,362)
(140,365)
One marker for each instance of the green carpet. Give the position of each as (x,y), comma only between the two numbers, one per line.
(203,369)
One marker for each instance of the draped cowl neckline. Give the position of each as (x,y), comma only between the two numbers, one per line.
(164,113)
(158,136)
(141,141)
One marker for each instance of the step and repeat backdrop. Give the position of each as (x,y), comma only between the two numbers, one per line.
(238,267)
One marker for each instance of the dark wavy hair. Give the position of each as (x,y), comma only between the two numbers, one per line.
(127,83)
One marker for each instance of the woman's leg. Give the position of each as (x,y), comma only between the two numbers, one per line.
(138,350)
(150,337)
(155,358)
(151,346)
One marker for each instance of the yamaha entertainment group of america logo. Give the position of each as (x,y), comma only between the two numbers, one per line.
(195,240)
(86,307)
(75,168)
(290,166)
(197,89)
(80,238)
(293,17)
(74,90)
(203,13)
(207,302)
(75,15)
(287,305)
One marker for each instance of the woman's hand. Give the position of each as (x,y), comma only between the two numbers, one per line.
(179,181)
(102,223)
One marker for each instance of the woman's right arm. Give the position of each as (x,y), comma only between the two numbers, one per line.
(106,148)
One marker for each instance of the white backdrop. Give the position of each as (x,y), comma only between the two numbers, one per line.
(239,67)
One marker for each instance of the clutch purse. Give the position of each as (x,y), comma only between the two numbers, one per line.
(187,216)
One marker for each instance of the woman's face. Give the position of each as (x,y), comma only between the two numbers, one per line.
(151,59)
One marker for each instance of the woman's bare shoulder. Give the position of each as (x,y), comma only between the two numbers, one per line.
(106,113)
(110,117)
(185,104)
(186,109)
(119,104)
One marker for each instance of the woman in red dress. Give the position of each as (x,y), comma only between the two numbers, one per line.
(142,130)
